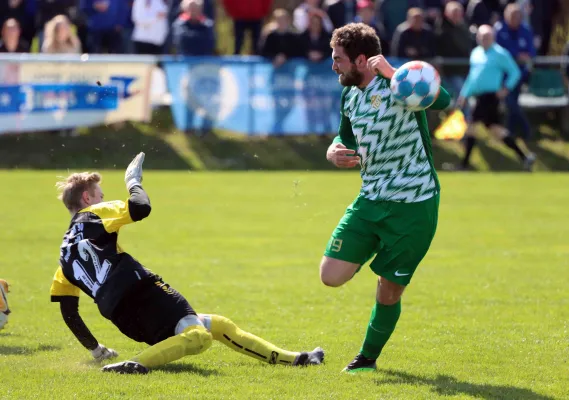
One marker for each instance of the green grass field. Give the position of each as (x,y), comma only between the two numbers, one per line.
(486,316)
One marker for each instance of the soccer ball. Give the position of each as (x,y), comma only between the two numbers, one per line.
(415,85)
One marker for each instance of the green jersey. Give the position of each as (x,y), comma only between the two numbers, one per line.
(393,143)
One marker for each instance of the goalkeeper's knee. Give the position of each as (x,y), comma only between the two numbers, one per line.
(196,340)
(219,325)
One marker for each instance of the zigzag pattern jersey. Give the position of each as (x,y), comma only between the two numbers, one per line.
(393,143)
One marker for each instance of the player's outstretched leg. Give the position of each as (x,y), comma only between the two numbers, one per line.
(382,322)
(225,331)
(195,339)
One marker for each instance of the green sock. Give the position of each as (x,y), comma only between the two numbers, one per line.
(381,325)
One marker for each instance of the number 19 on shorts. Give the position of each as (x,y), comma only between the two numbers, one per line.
(335,245)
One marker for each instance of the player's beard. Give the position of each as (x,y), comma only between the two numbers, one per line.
(351,78)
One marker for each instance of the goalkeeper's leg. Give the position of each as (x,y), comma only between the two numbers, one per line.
(225,331)
(193,339)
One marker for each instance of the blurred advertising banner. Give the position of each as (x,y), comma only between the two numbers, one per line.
(59,92)
(247,95)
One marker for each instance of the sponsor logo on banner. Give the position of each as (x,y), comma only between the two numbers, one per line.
(49,95)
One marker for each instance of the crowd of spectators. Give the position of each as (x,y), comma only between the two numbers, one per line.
(418,29)
(280,29)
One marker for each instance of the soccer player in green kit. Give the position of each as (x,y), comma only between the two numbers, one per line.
(394,217)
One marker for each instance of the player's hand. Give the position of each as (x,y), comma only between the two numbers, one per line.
(379,65)
(341,156)
(133,174)
(101,353)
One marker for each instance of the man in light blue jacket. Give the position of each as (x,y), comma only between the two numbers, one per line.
(493,75)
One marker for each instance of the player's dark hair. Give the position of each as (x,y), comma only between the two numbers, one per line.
(74,185)
(356,39)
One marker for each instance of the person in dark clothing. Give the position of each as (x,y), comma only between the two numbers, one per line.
(341,12)
(281,43)
(453,40)
(104,22)
(518,40)
(413,39)
(247,16)
(11,40)
(193,33)
(315,40)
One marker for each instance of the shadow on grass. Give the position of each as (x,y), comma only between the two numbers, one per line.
(169,149)
(100,148)
(186,369)
(445,385)
(25,351)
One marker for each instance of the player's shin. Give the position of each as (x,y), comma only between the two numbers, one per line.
(193,340)
(225,331)
(381,325)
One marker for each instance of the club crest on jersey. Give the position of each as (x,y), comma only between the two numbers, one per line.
(375,101)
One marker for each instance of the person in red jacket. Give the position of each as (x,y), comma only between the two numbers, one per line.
(247,15)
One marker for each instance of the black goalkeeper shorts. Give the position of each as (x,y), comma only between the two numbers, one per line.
(150,311)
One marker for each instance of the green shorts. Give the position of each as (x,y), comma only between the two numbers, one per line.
(399,234)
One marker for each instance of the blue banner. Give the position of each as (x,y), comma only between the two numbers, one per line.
(249,96)
(50,95)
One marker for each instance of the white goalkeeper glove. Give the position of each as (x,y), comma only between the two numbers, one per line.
(101,353)
(133,174)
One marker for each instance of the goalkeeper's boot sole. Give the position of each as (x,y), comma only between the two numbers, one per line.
(361,364)
(314,357)
(126,367)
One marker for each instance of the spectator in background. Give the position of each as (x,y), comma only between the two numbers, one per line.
(47,10)
(341,12)
(104,22)
(315,40)
(433,11)
(302,13)
(24,13)
(280,43)
(392,13)
(453,40)
(565,112)
(542,16)
(366,15)
(193,33)
(413,39)
(59,38)
(174,11)
(150,18)
(11,41)
(247,15)
(127,30)
(518,40)
(482,12)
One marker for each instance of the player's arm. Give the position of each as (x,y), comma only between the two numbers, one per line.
(115,214)
(69,307)
(138,202)
(342,151)
(67,295)
(442,101)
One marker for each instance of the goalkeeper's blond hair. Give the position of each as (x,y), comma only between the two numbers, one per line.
(72,188)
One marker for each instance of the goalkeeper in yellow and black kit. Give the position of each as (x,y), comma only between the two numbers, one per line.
(137,301)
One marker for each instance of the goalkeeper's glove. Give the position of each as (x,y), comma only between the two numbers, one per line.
(101,353)
(133,174)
